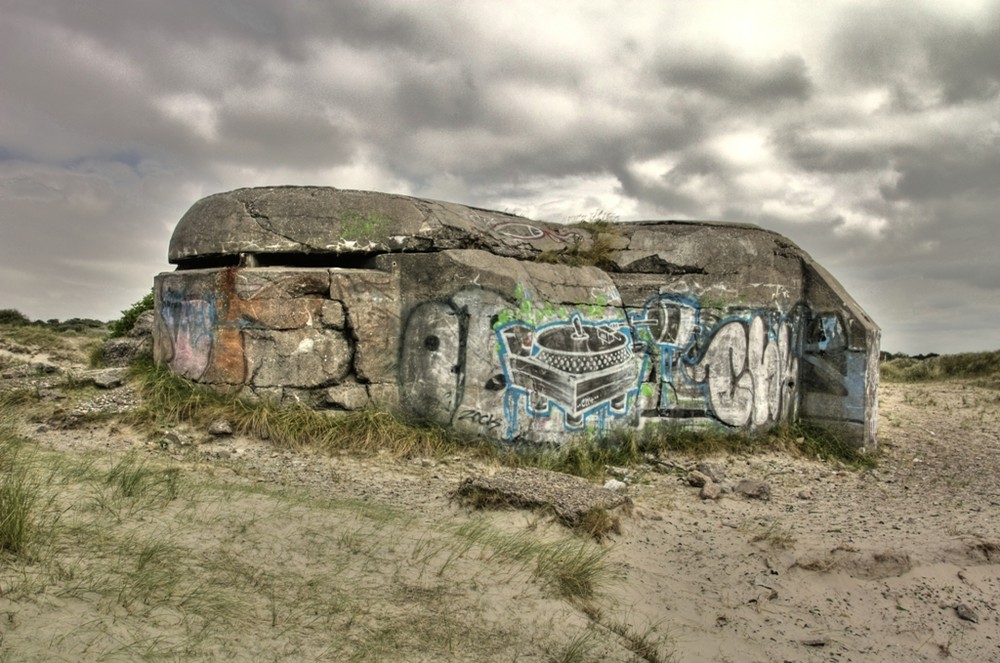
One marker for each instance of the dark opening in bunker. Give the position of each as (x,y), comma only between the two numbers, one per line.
(297,260)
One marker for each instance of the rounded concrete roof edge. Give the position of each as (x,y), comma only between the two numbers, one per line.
(323,219)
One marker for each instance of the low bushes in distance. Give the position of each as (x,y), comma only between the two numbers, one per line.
(965,365)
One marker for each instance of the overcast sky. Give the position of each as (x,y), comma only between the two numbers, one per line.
(866,132)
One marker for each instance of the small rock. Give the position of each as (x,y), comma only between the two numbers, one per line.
(621,473)
(143,325)
(220,427)
(697,479)
(108,378)
(714,471)
(348,396)
(124,351)
(965,612)
(710,491)
(804,494)
(754,489)
(176,439)
(615,485)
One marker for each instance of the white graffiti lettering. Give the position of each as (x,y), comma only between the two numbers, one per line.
(749,373)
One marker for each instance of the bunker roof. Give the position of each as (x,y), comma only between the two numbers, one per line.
(298,225)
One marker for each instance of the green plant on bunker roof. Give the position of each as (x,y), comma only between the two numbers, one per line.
(358,226)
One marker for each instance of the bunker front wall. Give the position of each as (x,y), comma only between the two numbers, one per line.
(527,351)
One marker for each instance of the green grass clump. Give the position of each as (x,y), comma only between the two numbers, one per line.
(571,568)
(591,455)
(818,441)
(598,252)
(124,324)
(19,488)
(19,496)
(169,399)
(132,477)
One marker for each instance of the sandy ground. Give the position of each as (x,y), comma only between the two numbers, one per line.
(899,563)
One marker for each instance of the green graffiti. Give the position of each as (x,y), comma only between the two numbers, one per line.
(537,313)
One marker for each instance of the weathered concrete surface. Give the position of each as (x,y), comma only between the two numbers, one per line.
(479,320)
(570,498)
(321,220)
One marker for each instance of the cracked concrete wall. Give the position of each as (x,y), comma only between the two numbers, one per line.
(308,335)
(458,315)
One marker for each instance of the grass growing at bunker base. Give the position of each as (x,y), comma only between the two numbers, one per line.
(168,398)
(591,455)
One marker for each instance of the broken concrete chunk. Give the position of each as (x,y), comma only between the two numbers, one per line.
(124,351)
(570,498)
(143,325)
(966,613)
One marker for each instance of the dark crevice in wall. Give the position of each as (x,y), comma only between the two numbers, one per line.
(654,264)
(297,260)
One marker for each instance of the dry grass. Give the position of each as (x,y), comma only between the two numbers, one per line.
(774,536)
(134,557)
(984,366)
(124,569)
(168,399)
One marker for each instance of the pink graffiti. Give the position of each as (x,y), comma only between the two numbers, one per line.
(190,323)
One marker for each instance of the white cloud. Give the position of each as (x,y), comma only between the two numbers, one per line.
(194,111)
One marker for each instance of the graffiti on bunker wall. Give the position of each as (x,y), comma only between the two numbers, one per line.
(662,362)
(740,370)
(524,368)
(833,374)
(190,325)
(749,371)
(582,368)
(669,327)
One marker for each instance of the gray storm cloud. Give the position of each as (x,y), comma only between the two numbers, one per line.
(867,133)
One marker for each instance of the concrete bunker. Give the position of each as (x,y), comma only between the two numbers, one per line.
(512,328)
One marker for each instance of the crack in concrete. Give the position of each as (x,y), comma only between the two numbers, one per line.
(263,221)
